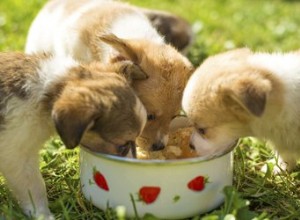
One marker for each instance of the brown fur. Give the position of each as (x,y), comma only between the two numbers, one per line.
(167,70)
(95,108)
(22,67)
(115,96)
(88,104)
(19,72)
(166,88)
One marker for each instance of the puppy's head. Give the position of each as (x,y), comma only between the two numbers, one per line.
(99,110)
(223,98)
(168,72)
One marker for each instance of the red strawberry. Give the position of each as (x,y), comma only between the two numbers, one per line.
(197,184)
(149,194)
(100,180)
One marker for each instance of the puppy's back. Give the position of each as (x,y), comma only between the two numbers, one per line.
(74,25)
(15,70)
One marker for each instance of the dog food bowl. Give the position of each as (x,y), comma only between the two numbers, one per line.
(169,189)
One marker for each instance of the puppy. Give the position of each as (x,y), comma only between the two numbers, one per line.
(176,30)
(240,93)
(85,104)
(112,32)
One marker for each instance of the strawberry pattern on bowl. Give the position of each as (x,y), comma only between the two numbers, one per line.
(172,189)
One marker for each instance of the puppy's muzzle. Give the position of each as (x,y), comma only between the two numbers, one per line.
(230,147)
(123,150)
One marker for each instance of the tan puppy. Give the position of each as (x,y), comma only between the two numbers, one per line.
(86,104)
(240,93)
(78,28)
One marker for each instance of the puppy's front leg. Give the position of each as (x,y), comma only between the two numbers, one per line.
(282,162)
(25,180)
(287,161)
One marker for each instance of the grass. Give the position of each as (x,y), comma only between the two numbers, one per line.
(270,25)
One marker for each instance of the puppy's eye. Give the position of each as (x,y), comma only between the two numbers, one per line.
(201,131)
(151,117)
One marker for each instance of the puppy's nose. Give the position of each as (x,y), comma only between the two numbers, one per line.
(158,146)
(192,146)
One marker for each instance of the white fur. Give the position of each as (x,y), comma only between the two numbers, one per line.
(188,94)
(283,128)
(287,68)
(57,66)
(131,26)
(43,30)
(25,130)
(19,149)
(280,127)
(204,147)
(135,26)
(67,41)
(140,110)
(61,37)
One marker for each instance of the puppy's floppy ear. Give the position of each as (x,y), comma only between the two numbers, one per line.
(71,123)
(123,47)
(251,94)
(131,71)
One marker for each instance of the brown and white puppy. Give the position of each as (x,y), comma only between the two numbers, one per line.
(240,93)
(40,95)
(78,28)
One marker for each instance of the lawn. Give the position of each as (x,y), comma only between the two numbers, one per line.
(269,25)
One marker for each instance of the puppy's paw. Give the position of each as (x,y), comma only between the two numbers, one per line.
(46,217)
(273,166)
(278,166)
(41,213)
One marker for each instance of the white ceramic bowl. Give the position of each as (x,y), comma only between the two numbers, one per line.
(172,189)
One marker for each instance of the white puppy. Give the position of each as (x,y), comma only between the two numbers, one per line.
(240,93)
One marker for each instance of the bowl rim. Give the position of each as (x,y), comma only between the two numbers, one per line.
(128,160)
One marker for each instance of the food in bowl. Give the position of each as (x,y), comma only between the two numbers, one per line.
(178,147)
